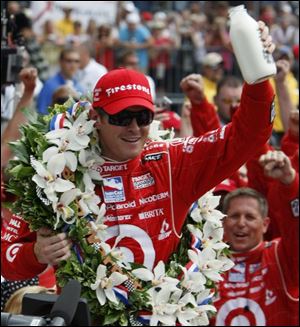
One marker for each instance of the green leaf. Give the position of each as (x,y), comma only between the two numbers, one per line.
(20,150)
(111,318)
(20,171)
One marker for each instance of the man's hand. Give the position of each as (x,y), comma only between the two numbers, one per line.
(50,248)
(266,37)
(192,85)
(28,76)
(277,165)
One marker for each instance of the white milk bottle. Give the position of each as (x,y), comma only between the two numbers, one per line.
(255,63)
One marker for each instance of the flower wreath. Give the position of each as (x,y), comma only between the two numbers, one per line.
(54,184)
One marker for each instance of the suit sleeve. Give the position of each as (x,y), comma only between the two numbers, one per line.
(255,172)
(289,144)
(18,260)
(209,159)
(204,118)
(285,199)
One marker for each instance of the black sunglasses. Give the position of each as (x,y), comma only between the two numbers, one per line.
(125,117)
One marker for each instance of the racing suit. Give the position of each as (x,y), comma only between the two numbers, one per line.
(147,198)
(262,289)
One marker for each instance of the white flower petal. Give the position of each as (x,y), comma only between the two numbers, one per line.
(62,185)
(82,140)
(82,157)
(143,274)
(93,205)
(73,145)
(50,193)
(111,295)
(56,164)
(117,278)
(89,185)
(71,160)
(213,275)
(84,208)
(188,298)
(159,270)
(100,296)
(56,134)
(49,153)
(39,168)
(102,211)
(89,126)
(40,181)
(69,196)
(163,295)
(101,271)
(168,320)
(185,315)
(208,307)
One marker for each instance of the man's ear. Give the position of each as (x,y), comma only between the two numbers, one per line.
(93,114)
(266,224)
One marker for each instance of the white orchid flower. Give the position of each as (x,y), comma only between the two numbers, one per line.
(114,252)
(78,133)
(63,139)
(206,262)
(91,161)
(162,310)
(206,209)
(200,320)
(204,297)
(184,312)
(227,263)
(196,316)
(158,277)
(48,178)
(98,226)
(70,157)
(88,158)
(62,208)
(104,285)
(89,200)
(211,237)
(193,281)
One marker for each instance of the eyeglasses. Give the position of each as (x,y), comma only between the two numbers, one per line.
(125,117)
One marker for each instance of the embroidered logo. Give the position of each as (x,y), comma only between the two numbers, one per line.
(164,231)
(143,181)
(113,189)
(152,157)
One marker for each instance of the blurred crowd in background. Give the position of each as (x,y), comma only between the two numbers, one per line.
(72,44)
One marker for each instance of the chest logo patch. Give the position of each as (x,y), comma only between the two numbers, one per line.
(113,189)
(143,181)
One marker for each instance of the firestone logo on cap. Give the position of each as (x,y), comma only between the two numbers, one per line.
(128,87)
(113,90)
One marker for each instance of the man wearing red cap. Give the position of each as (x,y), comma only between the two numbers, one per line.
(149,186)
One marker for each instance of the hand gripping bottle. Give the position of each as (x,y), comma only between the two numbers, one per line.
(255,63)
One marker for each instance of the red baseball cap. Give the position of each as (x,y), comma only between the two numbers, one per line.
(173,120)
(227,185)
(122,88)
